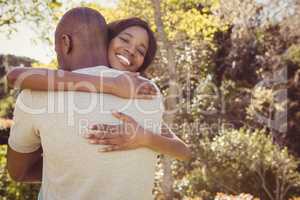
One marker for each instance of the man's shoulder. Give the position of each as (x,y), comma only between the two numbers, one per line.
(24,95)
(27,100)
(99,71)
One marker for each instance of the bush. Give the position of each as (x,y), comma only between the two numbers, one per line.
(242,161)
(221,196)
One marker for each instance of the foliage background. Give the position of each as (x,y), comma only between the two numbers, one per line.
(237,75)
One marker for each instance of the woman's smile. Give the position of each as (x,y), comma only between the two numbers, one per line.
(124,60)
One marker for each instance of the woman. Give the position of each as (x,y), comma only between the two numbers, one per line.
(132,47)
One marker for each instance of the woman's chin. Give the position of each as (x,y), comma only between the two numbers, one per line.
(121,68)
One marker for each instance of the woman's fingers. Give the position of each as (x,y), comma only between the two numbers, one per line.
(100,141)
(147,88)
(121,116)
(138,85)
(145,91)
(97,127)
(89,136)
(112,141)
(145,96)
(117,140)
(113,148)
(104,131)
(151,88)
(142,86)
(95,134)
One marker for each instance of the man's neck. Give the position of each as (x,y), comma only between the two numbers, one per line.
(86,64)
(83,67)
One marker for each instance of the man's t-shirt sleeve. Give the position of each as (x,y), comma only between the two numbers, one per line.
(24,138)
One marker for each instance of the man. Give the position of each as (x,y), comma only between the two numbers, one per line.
(56,122)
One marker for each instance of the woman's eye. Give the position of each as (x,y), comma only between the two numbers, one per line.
(124,39)
(141,52)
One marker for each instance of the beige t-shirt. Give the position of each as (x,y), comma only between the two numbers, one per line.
(74,169)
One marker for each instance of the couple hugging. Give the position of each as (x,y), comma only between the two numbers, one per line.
(92,129)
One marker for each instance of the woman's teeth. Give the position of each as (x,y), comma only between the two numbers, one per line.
(123,58)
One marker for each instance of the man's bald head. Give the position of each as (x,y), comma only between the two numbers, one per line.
(81,39)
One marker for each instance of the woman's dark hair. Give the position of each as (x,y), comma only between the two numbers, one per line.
(115,27)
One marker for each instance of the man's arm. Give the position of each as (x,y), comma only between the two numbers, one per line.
(24,160)
(25,167)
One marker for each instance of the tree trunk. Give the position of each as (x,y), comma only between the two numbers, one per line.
(167,182)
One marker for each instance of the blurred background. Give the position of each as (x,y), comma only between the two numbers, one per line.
(229,71)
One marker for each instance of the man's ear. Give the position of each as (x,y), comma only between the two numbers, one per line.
(66,43)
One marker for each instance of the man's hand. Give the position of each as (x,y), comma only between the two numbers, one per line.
(130,85)
(128,135)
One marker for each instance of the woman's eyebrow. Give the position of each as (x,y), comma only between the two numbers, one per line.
(130,35)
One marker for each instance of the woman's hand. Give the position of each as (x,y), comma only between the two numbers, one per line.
(128,135)
(130,85)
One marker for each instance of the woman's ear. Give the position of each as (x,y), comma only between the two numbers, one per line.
(66,43)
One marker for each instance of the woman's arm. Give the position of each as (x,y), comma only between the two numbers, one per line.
(168,143)
(130,135)
(126,85)
(57,80)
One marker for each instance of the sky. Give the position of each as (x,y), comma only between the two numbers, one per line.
(21,43)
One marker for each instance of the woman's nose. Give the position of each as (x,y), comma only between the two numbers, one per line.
(131,50)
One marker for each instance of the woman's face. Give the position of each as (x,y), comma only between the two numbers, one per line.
(128,49)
